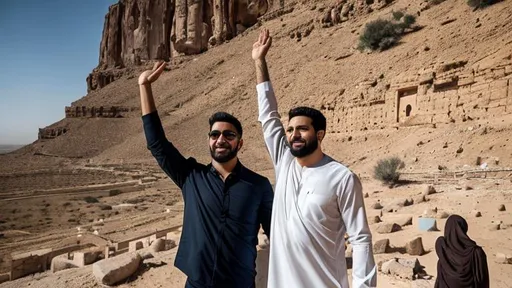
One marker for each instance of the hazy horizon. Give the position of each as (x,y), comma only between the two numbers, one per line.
(47,50)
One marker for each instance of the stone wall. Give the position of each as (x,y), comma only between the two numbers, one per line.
(104,112)
(37,261)
(443,93)
(50,133)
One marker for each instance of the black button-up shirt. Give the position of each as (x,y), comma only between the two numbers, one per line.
(221,218)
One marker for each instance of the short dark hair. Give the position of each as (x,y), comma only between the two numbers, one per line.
(226,117)
(317,118)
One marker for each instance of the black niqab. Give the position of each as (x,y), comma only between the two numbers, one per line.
(462,263)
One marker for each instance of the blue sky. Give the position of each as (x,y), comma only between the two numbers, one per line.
(47,49)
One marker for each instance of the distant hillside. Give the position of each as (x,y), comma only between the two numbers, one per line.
(444,87)
(9,148)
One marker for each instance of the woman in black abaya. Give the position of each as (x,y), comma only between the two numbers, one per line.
(461,262)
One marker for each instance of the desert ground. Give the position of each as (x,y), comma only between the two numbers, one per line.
(100,178)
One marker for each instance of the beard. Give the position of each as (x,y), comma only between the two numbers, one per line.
(306,149)
(224,156)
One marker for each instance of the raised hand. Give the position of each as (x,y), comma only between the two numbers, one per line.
(150,76)
(260,47)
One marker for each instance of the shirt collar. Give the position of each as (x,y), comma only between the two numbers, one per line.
(237,170)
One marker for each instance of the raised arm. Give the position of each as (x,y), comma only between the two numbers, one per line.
(353,213)
(273,130)
(168,157)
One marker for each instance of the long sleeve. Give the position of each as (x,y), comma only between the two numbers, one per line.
(168,157)
(273,130)
(364,270)
(265,211)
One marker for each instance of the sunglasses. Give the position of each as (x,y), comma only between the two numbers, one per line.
(229,135)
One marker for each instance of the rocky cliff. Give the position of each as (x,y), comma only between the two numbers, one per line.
(140,30)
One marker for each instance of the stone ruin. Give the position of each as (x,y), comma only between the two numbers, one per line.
(139,30)
(103,112)
(343,10)
(50,133)
(86,249)
(444,93)
(86,112)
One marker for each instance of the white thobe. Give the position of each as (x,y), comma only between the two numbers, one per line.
(313,209)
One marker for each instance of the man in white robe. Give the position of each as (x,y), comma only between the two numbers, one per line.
(317,199)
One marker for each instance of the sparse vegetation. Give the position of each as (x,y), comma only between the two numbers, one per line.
(386,170)
(90,199)
(397,15)
(409,20)
(481,3)
(435,2)
(383,34)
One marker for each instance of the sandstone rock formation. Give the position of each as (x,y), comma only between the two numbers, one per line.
(139,30)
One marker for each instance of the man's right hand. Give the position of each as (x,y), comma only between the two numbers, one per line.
(260,47)
(150,76)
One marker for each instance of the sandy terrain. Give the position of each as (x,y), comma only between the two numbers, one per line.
(94,171)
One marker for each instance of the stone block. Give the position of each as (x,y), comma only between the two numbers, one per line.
(479,87)
(498,93)
(113,270)
(503,259)
(135,245)
(496,111)
(158,245)
(404,221)
(466,80)
(4,278)
(381,246)
(415,247)
(498,73)
(81,259)
(62,263)
(508,69)
(427,77)
(385,228)
(396,269)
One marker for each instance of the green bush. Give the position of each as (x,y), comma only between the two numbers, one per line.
(435,2)
(481,3)
(386,170)
(383,34)
(397,15)
(379,34)
(409,20)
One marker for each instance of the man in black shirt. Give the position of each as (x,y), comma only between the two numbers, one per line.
(225,202)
